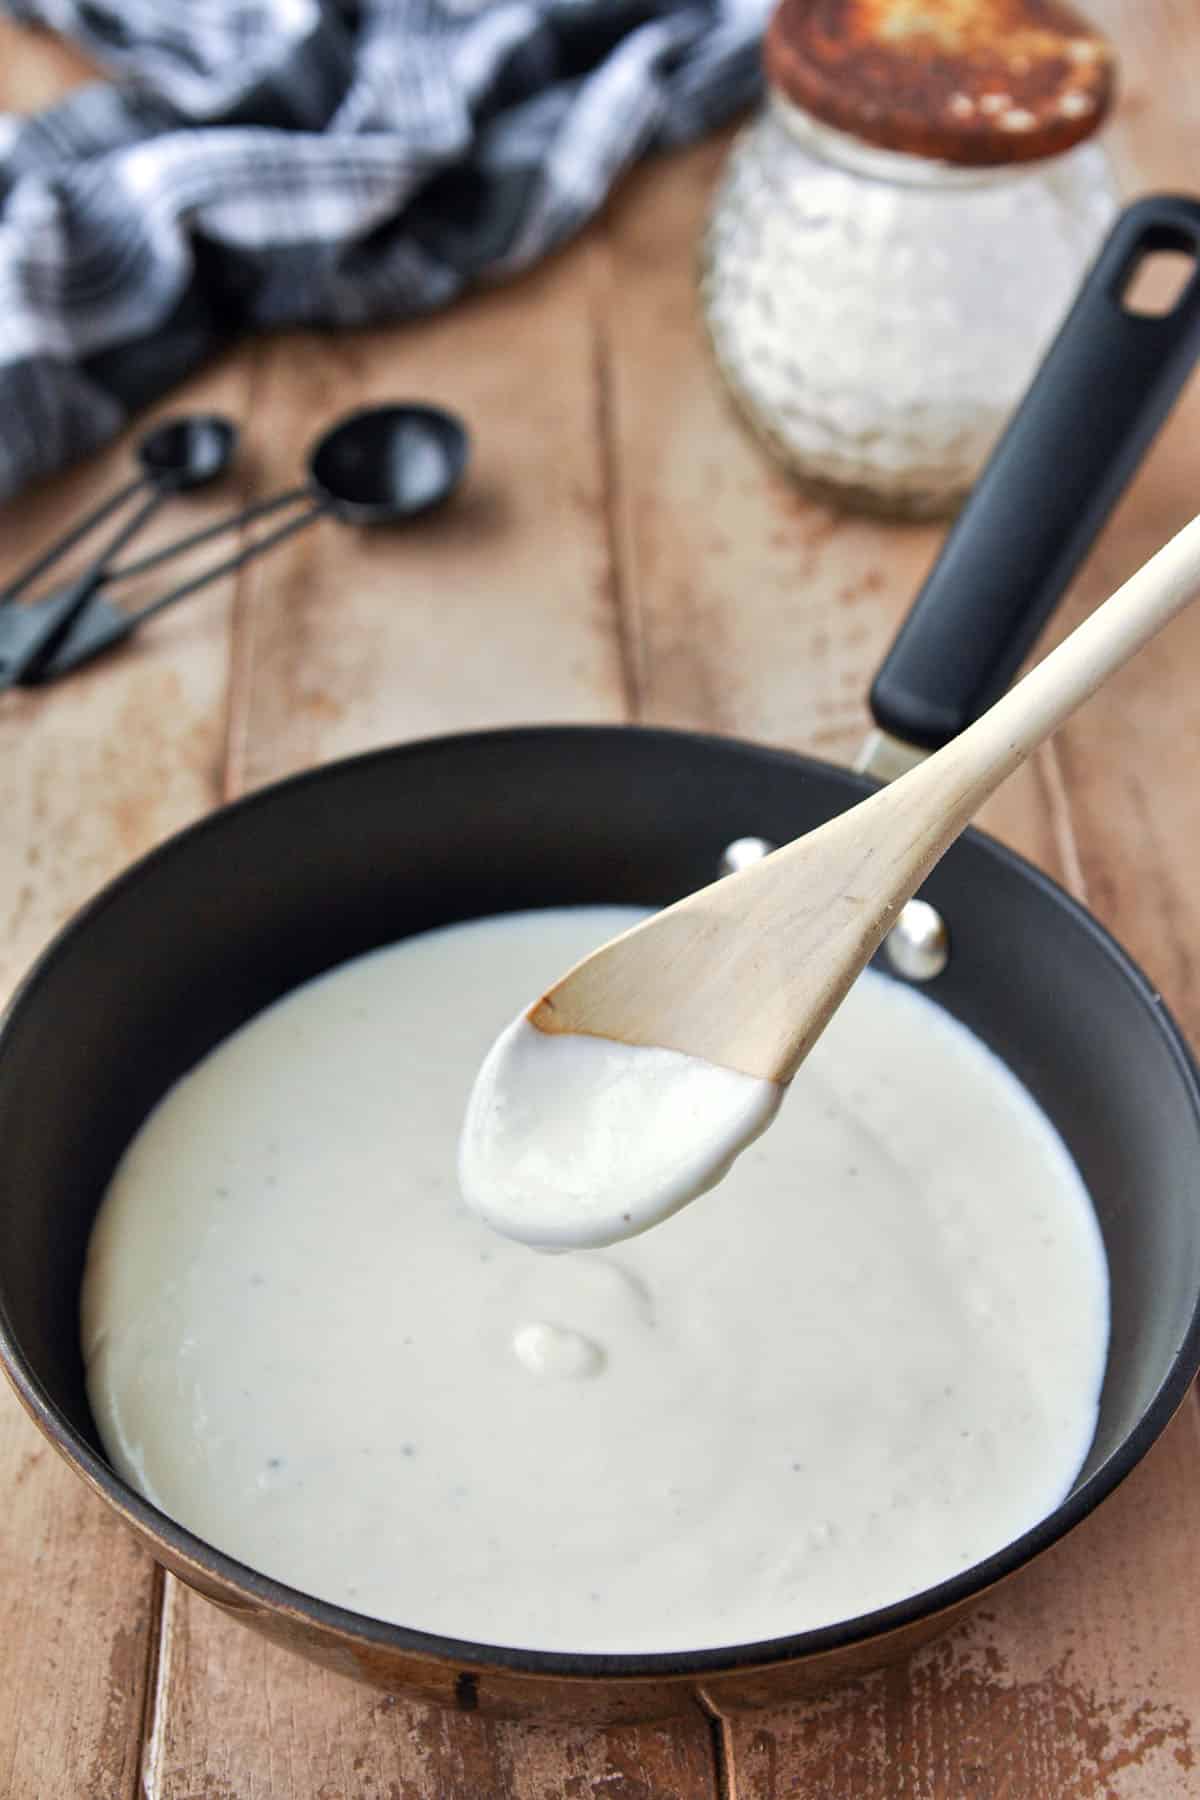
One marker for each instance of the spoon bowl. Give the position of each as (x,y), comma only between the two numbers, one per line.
(188,452)
(381,465)
(388,463)
(173,456)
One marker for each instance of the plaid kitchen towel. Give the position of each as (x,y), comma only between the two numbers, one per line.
(272,162)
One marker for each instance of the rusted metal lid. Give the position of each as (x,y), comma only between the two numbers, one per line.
(964,81)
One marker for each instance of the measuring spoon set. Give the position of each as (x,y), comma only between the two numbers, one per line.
(380,465)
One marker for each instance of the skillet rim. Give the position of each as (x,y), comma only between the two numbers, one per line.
(332,1620)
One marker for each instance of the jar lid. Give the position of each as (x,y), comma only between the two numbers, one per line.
(963,81)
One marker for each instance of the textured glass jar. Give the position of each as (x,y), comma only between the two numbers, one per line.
(876,315)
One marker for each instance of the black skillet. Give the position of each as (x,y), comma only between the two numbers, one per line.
(264,894)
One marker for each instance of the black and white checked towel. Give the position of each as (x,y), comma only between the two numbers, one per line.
(270,162)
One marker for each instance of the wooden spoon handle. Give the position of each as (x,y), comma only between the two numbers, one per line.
(747,972)
(855,873)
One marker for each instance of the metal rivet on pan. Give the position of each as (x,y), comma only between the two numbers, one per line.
(918,945)
(742,852)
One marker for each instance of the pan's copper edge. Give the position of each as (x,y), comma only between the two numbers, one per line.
(462,1683)
(467,1685)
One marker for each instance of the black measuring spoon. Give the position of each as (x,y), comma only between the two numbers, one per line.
(176,456)
(378,466)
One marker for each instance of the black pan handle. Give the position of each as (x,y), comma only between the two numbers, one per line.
(1104,387)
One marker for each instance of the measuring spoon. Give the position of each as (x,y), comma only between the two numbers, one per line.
(381,465)
(175,456)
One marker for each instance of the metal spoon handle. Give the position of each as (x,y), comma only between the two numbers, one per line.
(49,557)
(97,570)
(33,633)
(230,563)
(246,515)
(101,625)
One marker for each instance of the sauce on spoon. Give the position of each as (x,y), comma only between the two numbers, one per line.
(574,1142)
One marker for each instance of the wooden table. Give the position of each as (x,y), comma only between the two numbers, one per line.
(624,552)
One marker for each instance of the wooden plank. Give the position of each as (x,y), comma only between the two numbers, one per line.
(1075,1680)
(495,610)
(93,772)
(91,775)
(760,612)
(96,769)
(77,1628)
(37,68)
(498,610)
(705,619)
(1122,761)
(242,1720)
(1127,758)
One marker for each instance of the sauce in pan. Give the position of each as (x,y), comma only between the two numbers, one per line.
(868,1360)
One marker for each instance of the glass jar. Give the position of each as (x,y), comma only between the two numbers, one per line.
(877,315)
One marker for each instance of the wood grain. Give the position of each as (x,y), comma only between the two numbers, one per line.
(1082,1676)
(1140,856)
(622,548)
(78,1624)
(495,610)
(37,68)
(79,1613)
(1074,1681)
(96,770)
(240,1720)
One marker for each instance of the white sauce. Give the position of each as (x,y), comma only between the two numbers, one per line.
(574,1142)
(869,1360)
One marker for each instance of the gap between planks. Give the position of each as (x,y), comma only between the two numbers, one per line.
(145,1764)
(241,628)
(1048,773)
(618,537)
(723,1748)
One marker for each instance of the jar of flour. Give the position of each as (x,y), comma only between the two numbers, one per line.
(898,235)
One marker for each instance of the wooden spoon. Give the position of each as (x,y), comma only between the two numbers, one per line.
(630,1087)
(746,973)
